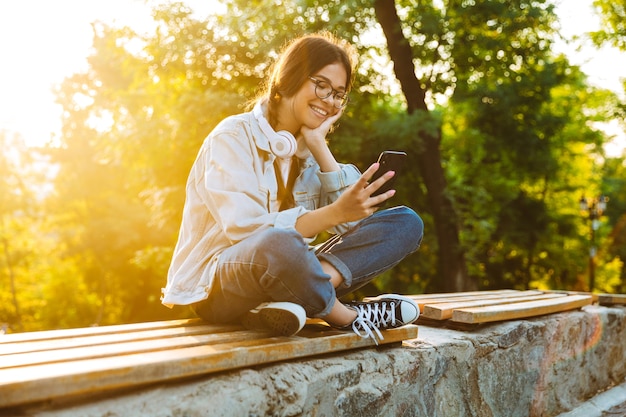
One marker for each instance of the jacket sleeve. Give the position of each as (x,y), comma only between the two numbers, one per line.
(333,184)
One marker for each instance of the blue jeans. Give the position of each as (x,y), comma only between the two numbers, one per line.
(277,265)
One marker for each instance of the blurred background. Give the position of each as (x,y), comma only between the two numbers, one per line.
(512,113)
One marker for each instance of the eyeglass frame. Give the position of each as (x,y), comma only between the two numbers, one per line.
(332,92)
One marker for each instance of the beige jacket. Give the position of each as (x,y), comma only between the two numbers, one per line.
(231,190)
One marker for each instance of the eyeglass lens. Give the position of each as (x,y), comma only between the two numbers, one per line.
(324,90)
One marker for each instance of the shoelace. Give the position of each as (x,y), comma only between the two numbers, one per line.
(372,317)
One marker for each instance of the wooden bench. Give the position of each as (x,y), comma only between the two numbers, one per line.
(466,310)
(55,364)
(41,366)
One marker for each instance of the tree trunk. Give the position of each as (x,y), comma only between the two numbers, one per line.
(452,267)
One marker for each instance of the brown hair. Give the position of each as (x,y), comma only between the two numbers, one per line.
(302,58)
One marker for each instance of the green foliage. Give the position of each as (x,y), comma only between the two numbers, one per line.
(518,179)
(29,259)
(614,185)
(613,13)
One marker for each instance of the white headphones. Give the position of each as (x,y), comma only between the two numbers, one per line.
(282,143)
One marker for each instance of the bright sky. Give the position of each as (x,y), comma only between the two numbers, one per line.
(44,41)
(41,43)
(604,67)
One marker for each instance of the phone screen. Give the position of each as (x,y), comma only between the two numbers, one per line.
(389,161)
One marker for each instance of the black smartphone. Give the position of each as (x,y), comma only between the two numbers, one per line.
(389,161)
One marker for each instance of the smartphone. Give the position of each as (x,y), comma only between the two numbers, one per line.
(389,161)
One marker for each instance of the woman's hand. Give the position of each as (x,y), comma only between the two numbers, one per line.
(317,136)
(357,202)
(315,140)
(354,204)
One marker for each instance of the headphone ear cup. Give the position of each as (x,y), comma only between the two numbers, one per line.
(283,144)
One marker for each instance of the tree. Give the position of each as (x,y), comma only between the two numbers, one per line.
(452,268)
(613,14)
(459,48)
(14,203)
(614,186)
(613,32)
(24,241)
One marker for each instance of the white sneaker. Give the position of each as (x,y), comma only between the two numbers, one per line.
(280,318)
(388,311)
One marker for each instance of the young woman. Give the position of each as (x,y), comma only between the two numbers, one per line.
(264,184)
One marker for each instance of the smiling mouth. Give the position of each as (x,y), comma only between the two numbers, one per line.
(319,111)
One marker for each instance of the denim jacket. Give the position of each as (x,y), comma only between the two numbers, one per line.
(230,191)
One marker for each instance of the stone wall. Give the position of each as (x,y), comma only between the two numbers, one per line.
(537,367)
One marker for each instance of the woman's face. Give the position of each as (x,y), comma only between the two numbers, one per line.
(305,108)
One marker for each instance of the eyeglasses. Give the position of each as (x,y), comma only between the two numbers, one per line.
(324,90)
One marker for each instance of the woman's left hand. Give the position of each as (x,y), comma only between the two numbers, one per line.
(317,136)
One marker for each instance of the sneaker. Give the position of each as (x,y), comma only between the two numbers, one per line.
(387,311)
(280,318)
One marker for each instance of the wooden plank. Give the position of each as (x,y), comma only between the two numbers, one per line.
(123,348)
(53,380)
(594,296)
(447,324)
(443,311)
(611,299)
(423,302)
(126,343)
(452,295)
(97,330)
(520,310)
(425,299)
(106,338)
